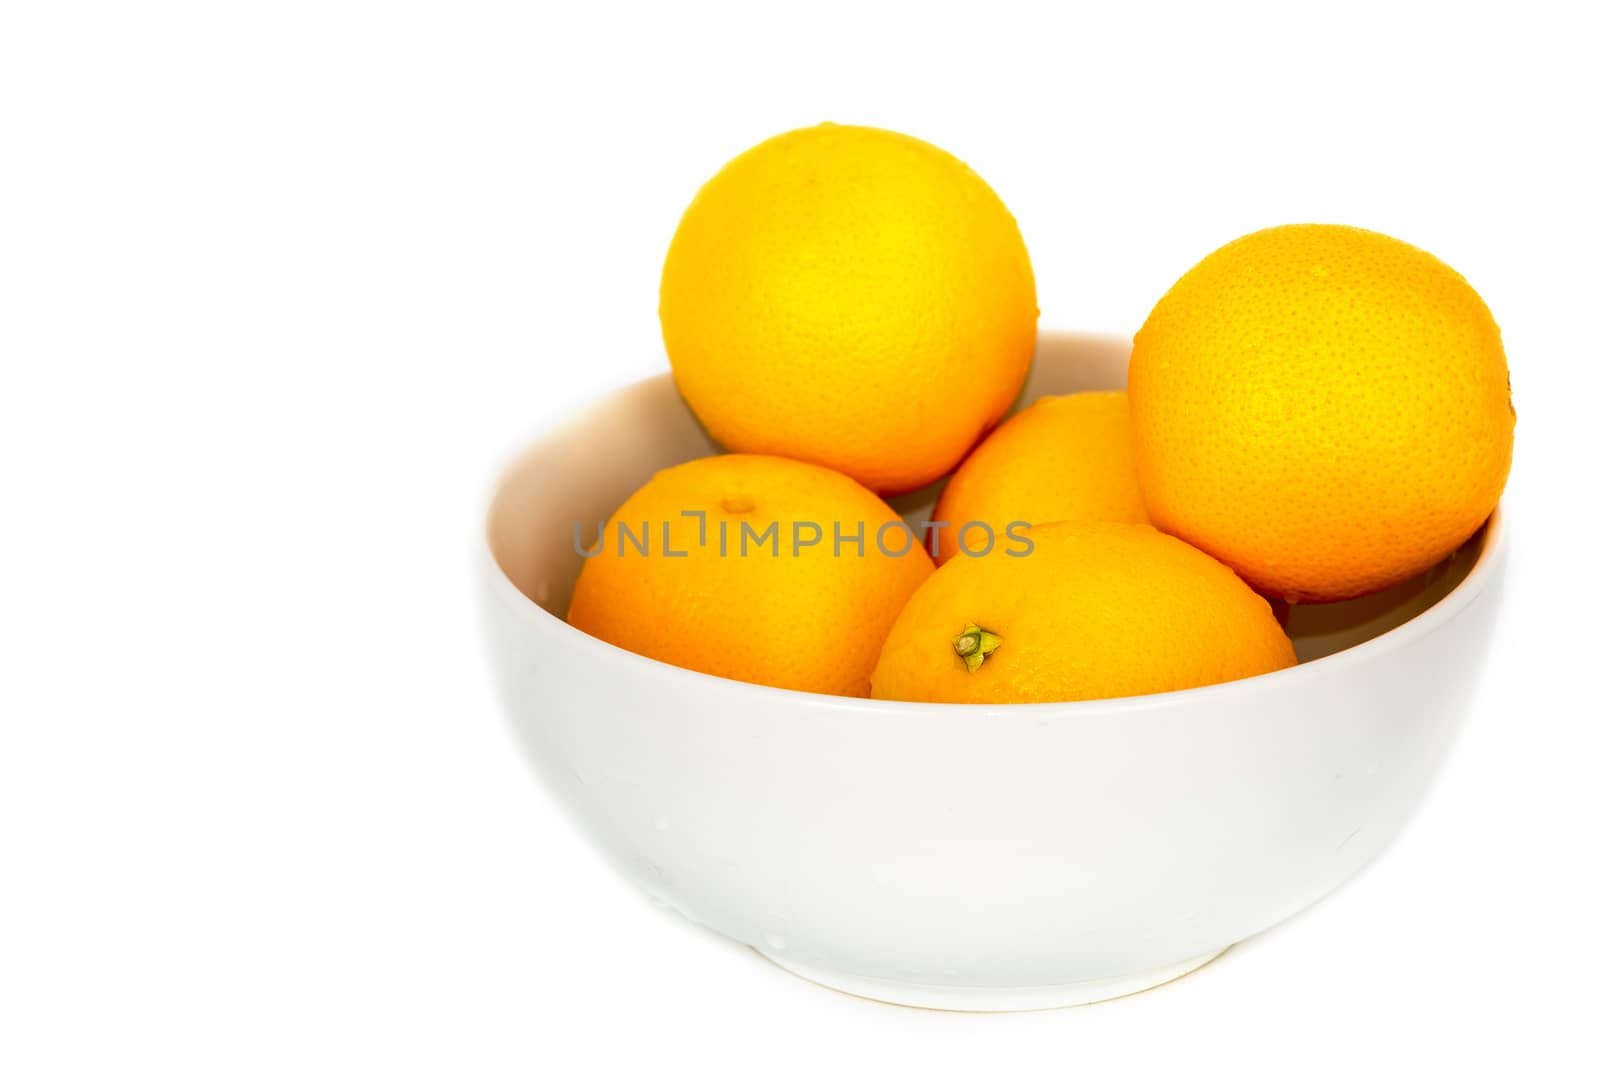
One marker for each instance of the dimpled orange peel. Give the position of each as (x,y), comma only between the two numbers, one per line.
(1096,609)
(850,297)
(756,586)
(1067,457)
(1325,409)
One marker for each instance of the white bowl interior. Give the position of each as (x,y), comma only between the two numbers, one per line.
(583,471)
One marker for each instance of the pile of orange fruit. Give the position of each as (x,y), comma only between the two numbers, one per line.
(1313,413)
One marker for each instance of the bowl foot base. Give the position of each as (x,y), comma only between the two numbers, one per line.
(990,999)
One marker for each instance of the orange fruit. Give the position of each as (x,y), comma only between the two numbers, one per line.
(1325,409)
(764,586)
(850,297)
(1061,458)
(1095,610)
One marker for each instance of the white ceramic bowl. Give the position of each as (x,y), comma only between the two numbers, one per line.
(969,856)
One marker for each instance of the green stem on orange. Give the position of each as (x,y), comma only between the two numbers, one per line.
(974,645)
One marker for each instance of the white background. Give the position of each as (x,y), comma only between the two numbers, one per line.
(280,284)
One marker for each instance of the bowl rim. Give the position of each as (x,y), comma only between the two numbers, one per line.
(1491,560)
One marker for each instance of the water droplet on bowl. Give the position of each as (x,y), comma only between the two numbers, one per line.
(663,823)
(778,942)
